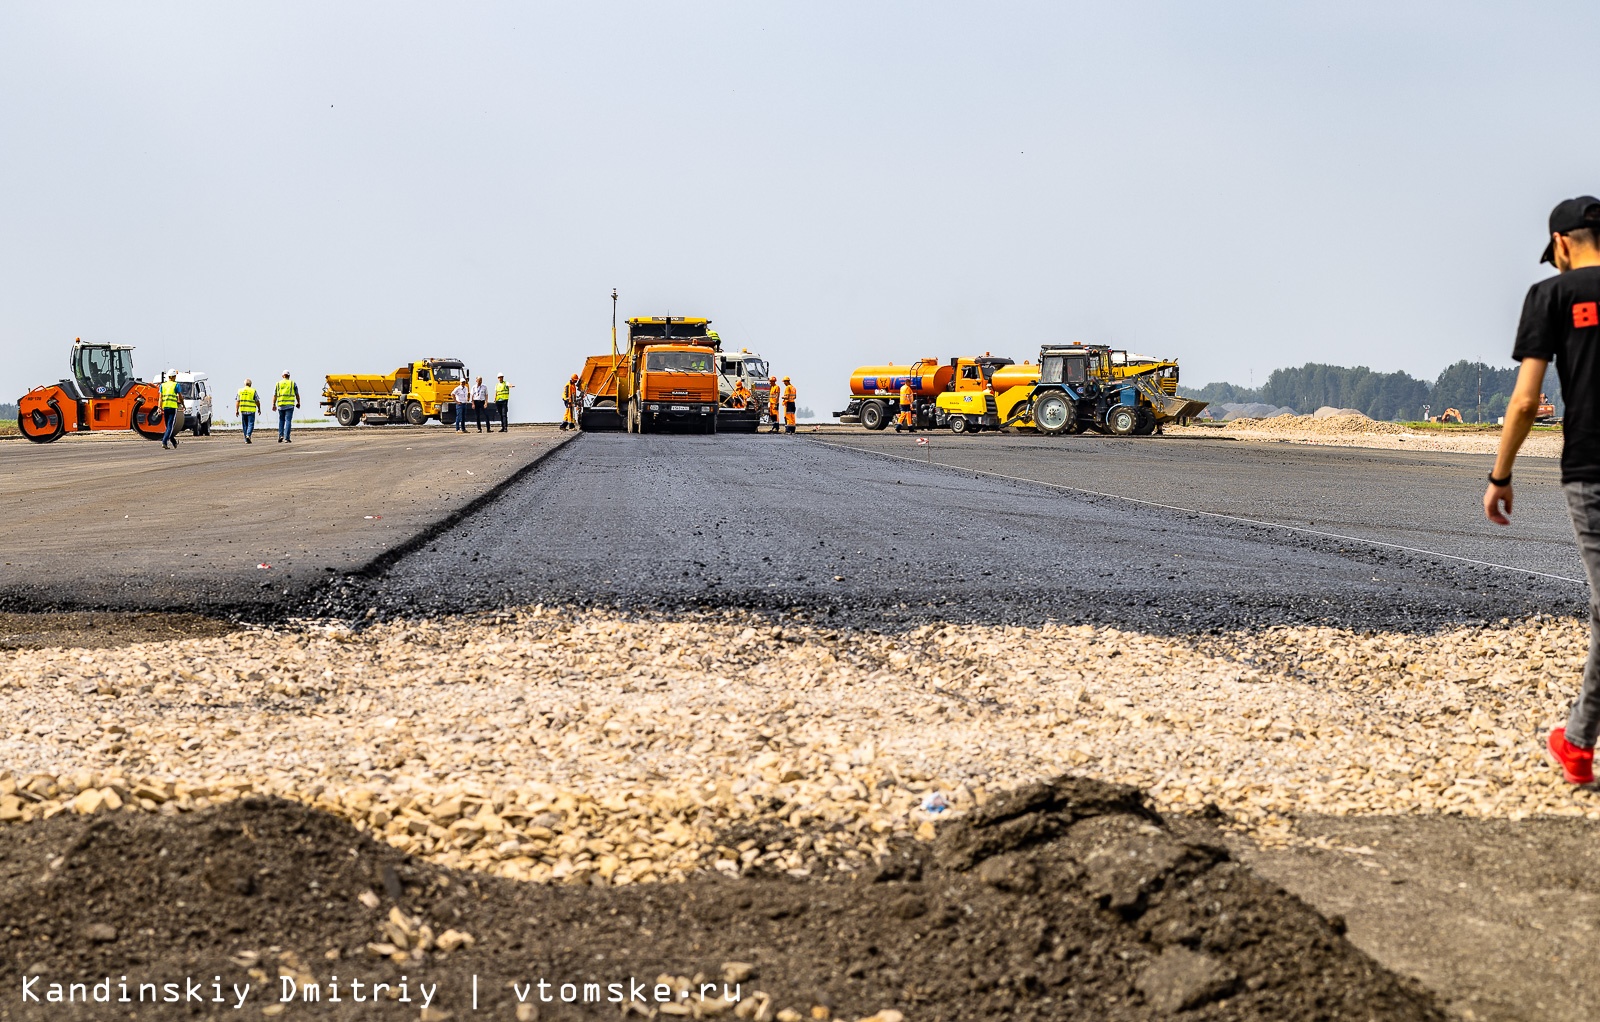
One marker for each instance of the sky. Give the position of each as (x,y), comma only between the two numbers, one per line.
(343,187)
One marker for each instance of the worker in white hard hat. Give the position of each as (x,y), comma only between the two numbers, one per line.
(245,405)
(502,400)
(285,398)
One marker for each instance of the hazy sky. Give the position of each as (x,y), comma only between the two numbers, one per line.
(338,187)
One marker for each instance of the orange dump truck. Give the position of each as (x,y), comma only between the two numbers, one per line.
(597,392)
(669,378)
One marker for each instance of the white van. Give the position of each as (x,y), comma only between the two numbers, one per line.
(195,389)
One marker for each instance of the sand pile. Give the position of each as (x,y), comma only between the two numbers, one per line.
(1326,425)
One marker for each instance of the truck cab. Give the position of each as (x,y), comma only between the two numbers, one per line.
(755,372)
(671,375)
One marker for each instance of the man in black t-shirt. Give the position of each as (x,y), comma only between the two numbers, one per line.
(1561,324)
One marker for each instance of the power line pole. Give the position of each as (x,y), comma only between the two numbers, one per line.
(1480,395)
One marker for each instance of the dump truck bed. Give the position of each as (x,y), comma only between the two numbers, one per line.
(361,384)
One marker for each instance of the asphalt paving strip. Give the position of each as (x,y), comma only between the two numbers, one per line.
(665,523)
(1221,516)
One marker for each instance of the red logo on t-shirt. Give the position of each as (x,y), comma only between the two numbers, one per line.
(1585,314)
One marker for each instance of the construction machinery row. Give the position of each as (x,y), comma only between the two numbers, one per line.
(1073,388)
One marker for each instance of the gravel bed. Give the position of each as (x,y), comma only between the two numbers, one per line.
(550,745)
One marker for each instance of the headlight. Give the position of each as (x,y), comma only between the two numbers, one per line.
(655,408)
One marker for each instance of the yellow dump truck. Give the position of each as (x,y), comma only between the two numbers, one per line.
(413,393)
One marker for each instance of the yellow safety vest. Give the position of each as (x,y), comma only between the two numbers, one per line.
(285,394)
(248,399)
(169,394)
(502,392)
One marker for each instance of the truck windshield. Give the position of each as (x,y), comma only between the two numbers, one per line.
(449,373)
(755,368)
(678,361)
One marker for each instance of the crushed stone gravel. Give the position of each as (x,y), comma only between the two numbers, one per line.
(552,745)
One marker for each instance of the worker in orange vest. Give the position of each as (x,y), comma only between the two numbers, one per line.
(774,395)
(789,394)
(741,396)
(569,401)
(907,419)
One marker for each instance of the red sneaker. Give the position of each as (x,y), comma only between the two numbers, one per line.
(1577,765)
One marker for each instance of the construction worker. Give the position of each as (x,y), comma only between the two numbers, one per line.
(480,402)
(774,395)
(907,418)
(286,398)
(170,401)
(502,401)
(462,396)
(789,395)
(741,396)
(245,406)
(569,402)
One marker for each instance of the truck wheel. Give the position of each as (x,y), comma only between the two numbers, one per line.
(345,413)
(1147,423)
(874,415)
(959,424)
(414,413)
(1123,420)
(1054,413)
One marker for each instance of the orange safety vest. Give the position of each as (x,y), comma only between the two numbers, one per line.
(905,395)
(773,398)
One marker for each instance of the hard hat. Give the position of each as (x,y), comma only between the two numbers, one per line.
(786,379)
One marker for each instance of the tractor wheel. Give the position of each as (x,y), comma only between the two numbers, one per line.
(35,425)
(1147,423)
(415,414)
(1123,420)
(1054,413)
(345,414)
(874,415)
(959,424)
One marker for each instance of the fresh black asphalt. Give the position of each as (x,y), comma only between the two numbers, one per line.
(789,524)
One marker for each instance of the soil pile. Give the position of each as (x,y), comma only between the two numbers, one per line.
(1062,900)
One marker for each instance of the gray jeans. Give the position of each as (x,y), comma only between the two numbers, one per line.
(1583,502)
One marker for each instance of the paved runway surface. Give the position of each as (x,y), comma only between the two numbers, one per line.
(1423,499)
(784,523)
(115,522)
(824,525)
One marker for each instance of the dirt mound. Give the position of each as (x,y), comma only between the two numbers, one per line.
(1064,900)
(1327,425)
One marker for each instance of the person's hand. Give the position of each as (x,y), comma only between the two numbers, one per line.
(1497,504)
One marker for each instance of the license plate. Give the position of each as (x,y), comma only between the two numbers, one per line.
(680,408)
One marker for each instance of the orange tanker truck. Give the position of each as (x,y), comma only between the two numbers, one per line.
(875,390)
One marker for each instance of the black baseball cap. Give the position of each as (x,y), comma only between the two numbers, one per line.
(1568,216)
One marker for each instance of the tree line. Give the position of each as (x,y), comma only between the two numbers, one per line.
(1395,396)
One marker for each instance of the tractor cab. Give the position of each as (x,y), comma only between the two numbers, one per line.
(100,371)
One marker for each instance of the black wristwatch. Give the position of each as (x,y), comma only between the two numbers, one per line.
(1498,482)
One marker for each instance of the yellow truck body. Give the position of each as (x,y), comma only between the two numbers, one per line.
(414,393)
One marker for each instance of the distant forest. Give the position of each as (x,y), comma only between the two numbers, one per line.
(8,411)
(1395,396)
